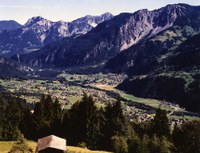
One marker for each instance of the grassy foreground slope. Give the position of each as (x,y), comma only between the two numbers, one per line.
(5,146)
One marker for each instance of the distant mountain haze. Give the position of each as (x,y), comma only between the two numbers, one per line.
(37,32)
(9,25)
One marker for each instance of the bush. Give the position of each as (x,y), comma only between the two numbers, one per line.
(119,144)
(160,145)
(21,146)
(82,145)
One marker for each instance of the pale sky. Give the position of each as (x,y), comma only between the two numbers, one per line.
(68,10)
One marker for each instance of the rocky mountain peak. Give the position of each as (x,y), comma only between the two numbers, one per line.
(61,22)
(157,31)
(116,35)
(35,20)
(107,15)
(38,32)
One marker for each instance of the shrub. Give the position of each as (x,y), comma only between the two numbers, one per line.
(119,144)
(21,146)
(82,145)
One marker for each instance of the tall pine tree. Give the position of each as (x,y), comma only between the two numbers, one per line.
(46,114)
(81,122)
(115,123)
(160,124)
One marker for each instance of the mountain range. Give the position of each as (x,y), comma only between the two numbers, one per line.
(38,32)
(159,50)
(118,34)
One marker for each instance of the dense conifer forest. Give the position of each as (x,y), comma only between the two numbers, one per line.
(89,126)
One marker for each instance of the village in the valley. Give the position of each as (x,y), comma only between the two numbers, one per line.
(69,88)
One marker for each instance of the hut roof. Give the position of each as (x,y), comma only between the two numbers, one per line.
(51,142)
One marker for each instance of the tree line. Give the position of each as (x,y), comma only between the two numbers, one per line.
(86,125)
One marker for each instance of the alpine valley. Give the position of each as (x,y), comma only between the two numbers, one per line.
(150,59)
(126,83)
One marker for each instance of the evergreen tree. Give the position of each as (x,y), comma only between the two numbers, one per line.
(46,114)
(2,117)
(82,122)
(142,128)
(12,114)
(115,123)
(119,144)
(186,138)
(134,143)
(26,126)
(57,121)
(101,121)
(143,146)
(71,125)
(160,124)
(160,145)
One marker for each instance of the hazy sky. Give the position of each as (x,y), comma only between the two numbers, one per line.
(68,10)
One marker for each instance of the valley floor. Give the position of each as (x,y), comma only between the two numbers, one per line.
(69,88)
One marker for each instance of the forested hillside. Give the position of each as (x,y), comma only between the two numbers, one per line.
(173,77)
(96,128)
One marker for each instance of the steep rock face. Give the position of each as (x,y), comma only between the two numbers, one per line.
(9,25)
(38,32)
(114,36)
(156,48)
(56,32)
(87,23)
(146,56)
(79,26)
(39,26)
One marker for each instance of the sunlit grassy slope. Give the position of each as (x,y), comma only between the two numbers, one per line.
(5,146)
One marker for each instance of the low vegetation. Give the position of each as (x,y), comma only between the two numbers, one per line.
(5,147)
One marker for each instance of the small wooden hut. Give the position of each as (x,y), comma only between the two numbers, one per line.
(51,144)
